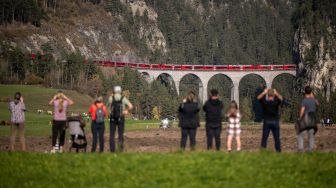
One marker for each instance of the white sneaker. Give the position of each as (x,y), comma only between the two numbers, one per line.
(53,151)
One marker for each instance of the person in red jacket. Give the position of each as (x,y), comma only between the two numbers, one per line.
(98,113)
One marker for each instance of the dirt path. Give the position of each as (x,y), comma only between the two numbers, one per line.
(159,140)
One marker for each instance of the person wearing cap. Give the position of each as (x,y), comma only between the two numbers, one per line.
(271,100)
(118,120)
(98,125)
(17,109)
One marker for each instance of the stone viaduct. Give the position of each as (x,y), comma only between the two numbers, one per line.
(205,76)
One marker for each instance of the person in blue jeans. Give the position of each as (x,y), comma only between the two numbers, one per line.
(98,113)
(271,100)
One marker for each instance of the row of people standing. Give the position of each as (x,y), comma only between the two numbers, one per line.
(119,107)
(213,108)
(188,114)
(270,100)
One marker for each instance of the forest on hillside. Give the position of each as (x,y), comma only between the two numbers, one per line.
(223,32)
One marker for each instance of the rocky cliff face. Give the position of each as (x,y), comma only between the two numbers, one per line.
(321,70)
(87,29)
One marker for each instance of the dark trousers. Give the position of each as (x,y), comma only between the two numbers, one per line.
(98,130)
(213,132)
(121,128)
(58,130)
(275,128)
(191,132)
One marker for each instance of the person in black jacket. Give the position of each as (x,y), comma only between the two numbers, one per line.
(213,116)
(189,120)
(271,100)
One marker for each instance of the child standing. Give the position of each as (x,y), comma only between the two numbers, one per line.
(234,117)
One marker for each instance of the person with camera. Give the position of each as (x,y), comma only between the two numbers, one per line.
(189,120)
(17,109)
(60,102)
(271,100)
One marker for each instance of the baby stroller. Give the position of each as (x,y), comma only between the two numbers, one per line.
(77,135)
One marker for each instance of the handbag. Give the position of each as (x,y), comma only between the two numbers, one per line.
(308,121)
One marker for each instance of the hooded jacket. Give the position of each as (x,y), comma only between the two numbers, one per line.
(188,115)
(213,109)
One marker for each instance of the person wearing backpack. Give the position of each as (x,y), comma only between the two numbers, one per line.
(98,113)
(119,107)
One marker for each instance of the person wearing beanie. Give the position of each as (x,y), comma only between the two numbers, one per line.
(119,107)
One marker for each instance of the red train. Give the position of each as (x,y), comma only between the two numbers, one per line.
(198,67)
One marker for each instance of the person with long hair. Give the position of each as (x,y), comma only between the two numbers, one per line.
(60,102)
(17,109)
(189,120)
(234,117)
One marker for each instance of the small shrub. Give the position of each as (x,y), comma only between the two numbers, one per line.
(32,79)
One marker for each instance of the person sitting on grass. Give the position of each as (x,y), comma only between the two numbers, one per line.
(60,103)
(17,109)
(234,117)
(98,113)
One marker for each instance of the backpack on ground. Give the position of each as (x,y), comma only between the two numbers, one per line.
(116,109)
(99,114)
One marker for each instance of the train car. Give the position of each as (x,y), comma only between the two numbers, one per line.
(144,66)
(263,67)
(167,67)
(177,67)
(120,64)
(221,67)
(284,67)
(186,67)
(203,67)
(155,66)
(234,68)
(289,67)
(249,67)
(133,65)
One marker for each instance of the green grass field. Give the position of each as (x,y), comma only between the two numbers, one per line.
(189,169)
(37,97)
(208,169)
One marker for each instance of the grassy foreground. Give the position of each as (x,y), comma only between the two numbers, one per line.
(206,169)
